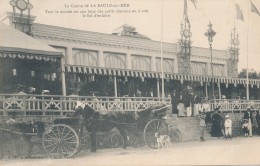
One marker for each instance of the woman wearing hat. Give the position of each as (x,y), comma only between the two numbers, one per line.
(248,115)
(216,124)
(228,127)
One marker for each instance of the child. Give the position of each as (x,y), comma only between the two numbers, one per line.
(228,127)
(245,127)
(202,124)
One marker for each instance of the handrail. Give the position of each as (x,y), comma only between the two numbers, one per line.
(46,105)
(234,105)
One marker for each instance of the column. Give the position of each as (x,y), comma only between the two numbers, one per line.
(69,56)
(219,90)
(153,63)
(158,88)
(101,61)
(208,69)
(128,61)
(206,90)
(63,82)
(115,86)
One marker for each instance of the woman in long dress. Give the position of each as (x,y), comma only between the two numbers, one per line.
(216,124)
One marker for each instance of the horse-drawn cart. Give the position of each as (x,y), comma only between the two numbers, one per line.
(65,136)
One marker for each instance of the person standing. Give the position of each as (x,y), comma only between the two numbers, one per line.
(187,98)
(196,106)
(228,127)
(216,124)
(181,107)
(202,125)
(257,117)
(248,115)
(206,110)
(175,101)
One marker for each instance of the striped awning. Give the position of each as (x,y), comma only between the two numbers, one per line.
(147,74)
(28,56)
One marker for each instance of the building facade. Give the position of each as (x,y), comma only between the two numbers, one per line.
(126,62)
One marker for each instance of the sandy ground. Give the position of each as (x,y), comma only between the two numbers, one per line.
(239,151)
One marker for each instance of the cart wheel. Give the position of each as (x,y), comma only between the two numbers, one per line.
(116,140)
(175,135)
(85,142)
(152,127)
(61,140)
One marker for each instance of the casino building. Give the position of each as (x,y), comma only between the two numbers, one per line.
(125,62)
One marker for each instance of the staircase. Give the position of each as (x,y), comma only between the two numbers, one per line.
(189,127)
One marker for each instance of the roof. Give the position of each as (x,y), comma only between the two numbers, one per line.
(128,30)
(12,40)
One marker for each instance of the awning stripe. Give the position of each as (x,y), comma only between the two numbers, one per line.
(118,72)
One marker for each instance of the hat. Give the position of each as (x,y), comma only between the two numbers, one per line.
(227,116)
(223,96)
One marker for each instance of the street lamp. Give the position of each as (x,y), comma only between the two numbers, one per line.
(210,34)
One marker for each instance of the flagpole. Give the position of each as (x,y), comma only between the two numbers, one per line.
(162,52)
(234,13)
(247,81)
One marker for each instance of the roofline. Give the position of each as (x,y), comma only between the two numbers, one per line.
(30,51)
(100,33)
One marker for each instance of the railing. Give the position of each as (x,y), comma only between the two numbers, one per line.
(61,105)
(235,105)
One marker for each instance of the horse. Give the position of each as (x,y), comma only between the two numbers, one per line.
(17,131)
(125,122)
(95,122)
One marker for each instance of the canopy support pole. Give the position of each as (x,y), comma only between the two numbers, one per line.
(115,86)
(63,82)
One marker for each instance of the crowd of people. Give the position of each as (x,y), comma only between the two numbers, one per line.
(186,103)
(222,126)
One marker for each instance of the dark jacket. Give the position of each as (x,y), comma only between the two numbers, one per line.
(247,115)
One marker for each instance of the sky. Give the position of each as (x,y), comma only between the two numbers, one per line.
(221,13)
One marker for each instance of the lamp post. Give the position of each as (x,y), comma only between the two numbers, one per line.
(210,34)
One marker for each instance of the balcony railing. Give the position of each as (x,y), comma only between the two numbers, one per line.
(61,105)
(235,105)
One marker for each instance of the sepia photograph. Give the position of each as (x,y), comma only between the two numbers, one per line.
(129,82)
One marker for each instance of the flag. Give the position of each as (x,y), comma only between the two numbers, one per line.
(194,3)
(254,9)
(239,15)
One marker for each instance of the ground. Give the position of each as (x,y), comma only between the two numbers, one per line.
(238,151)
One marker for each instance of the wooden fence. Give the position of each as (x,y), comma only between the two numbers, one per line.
(61,105)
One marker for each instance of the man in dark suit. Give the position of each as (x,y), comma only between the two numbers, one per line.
(187,99)
(175,102)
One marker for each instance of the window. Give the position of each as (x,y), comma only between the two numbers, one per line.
(218,70)
(167,65)
(114,60)
(141,63)
(84,57)
(198,68)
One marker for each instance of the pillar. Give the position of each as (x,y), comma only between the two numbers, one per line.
(208,69)
(128,61)
(206,90)
(115,86)
(69,56)
(63,81)
(219,90)
(158,88)
(101,59)
(153,63)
